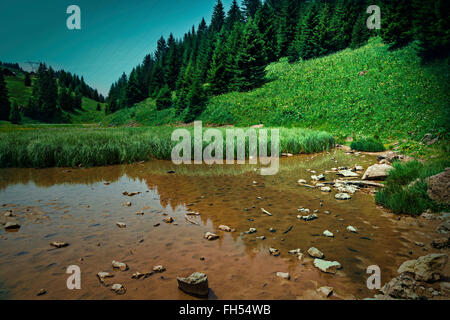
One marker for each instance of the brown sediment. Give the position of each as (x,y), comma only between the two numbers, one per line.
(238,266)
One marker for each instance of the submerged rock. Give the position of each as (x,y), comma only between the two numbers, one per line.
(377,172)
(168,220)
(196,284)
(12,225)
(58,244)
(210,236)
(117,288)
(329,234)
(119,265)
(224,228)
(121,225)
(327,266)
(325,291)
(274,252)
(283,275)
(315,253)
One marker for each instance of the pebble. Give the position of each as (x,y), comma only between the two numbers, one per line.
(121,224)
(329,234)
(118,288)
(283,275)
(119,265)
(210,236)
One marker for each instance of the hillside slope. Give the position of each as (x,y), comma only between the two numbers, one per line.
(398,95)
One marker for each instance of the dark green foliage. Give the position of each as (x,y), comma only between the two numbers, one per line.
(265,18)
(251,61)
(398,22)
(368,145)
(195,101)
(360,33)
(14,115)
(289,16)
(234,15)
(406,187)
(27,80)
(218,17)
(250,7)
(164,98)
(43,105)
(99,107)
(4,99)
(219,75)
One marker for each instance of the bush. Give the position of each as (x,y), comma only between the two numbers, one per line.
(369,145)
(406,187)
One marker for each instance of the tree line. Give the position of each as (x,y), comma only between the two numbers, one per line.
(231,53)
(52,92)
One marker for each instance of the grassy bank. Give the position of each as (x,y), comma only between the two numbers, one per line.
(406,187)
(75,146)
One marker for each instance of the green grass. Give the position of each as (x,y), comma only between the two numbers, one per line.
(74,146)
(88,112)
(367,144)
(406,187)
(17,90)
(398,97)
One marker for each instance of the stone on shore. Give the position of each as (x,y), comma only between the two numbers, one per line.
(377,172)
(342,196)
(439,187)
(425,268)
(325,189)
(347,173)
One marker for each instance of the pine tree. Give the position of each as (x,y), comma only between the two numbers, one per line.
(27,81)
(360,33)
(133,92)
(308,41)
(234,15)
(195,101)
(397,29)
(14,115)
(218,75)
(173,62)
(251,61)
(218,17)
(346,13)
(250,7)
(234,44)
(265,19)
(164,98)
(4,99)
(289,17)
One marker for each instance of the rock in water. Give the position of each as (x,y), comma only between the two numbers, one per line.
(325,189)
(58,244)
(327,266)
(210,236)
(342,196)
(251,230)
(283,275)
(352,229)
(325,291)
(425,268)
(117,288)
(121,224)
(301,181)
(168,219)
(327,233)
(196,284)
(309,217)
(224,228)
(295,251)
(41,292)
(439,187)
(159,269)
(119,265)
(318,178)
(12,226)
(265,212)
(441,243)
(377,172)
(274,252)
(347,173)
(315,253)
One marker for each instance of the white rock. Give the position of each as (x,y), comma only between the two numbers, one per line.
(327,233)
(224,228)
(274,252)
(325,291)
(265,212)
(342,196)
(315,253)
(325,189)
(301,181)
(283,275)
(119,265)
(159,268)
(347,173)
(210,236)
(310,217)
(295,251)
(352,229)
(118,288)
(327,266)
(318,178)
(121,224)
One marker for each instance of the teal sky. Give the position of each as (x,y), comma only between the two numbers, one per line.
(115,35)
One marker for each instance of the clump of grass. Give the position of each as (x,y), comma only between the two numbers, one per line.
(406,187)
(84,146)
(367,144)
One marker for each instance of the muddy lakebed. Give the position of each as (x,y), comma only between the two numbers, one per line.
(81,206)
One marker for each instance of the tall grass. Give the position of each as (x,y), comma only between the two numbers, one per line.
(406,187)
(367,144)
(72,146)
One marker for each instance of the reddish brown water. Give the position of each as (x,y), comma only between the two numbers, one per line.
(76,206)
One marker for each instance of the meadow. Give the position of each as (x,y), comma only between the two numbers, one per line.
(71,146)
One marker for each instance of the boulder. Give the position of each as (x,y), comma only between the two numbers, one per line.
(196,284)
(315,253)
(425,268)
(444,227)
(327,266)
(12,225)
(402,287)
(439,187)
(377,172)
(441,243)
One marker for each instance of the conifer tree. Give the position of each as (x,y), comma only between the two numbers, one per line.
(27,81)
(397,30)
(195,101)
(218,75)
(265,19)
(360,33)
(14,116)
(4,98)
(234,15)
(164,98)
(250,7)
(218,17)
(288,25)
(251,61)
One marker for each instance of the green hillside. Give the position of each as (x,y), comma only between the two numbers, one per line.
(398,97)
(20,93)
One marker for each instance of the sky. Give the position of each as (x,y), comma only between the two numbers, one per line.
(115,35)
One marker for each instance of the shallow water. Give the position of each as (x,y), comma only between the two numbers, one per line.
(76,206)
